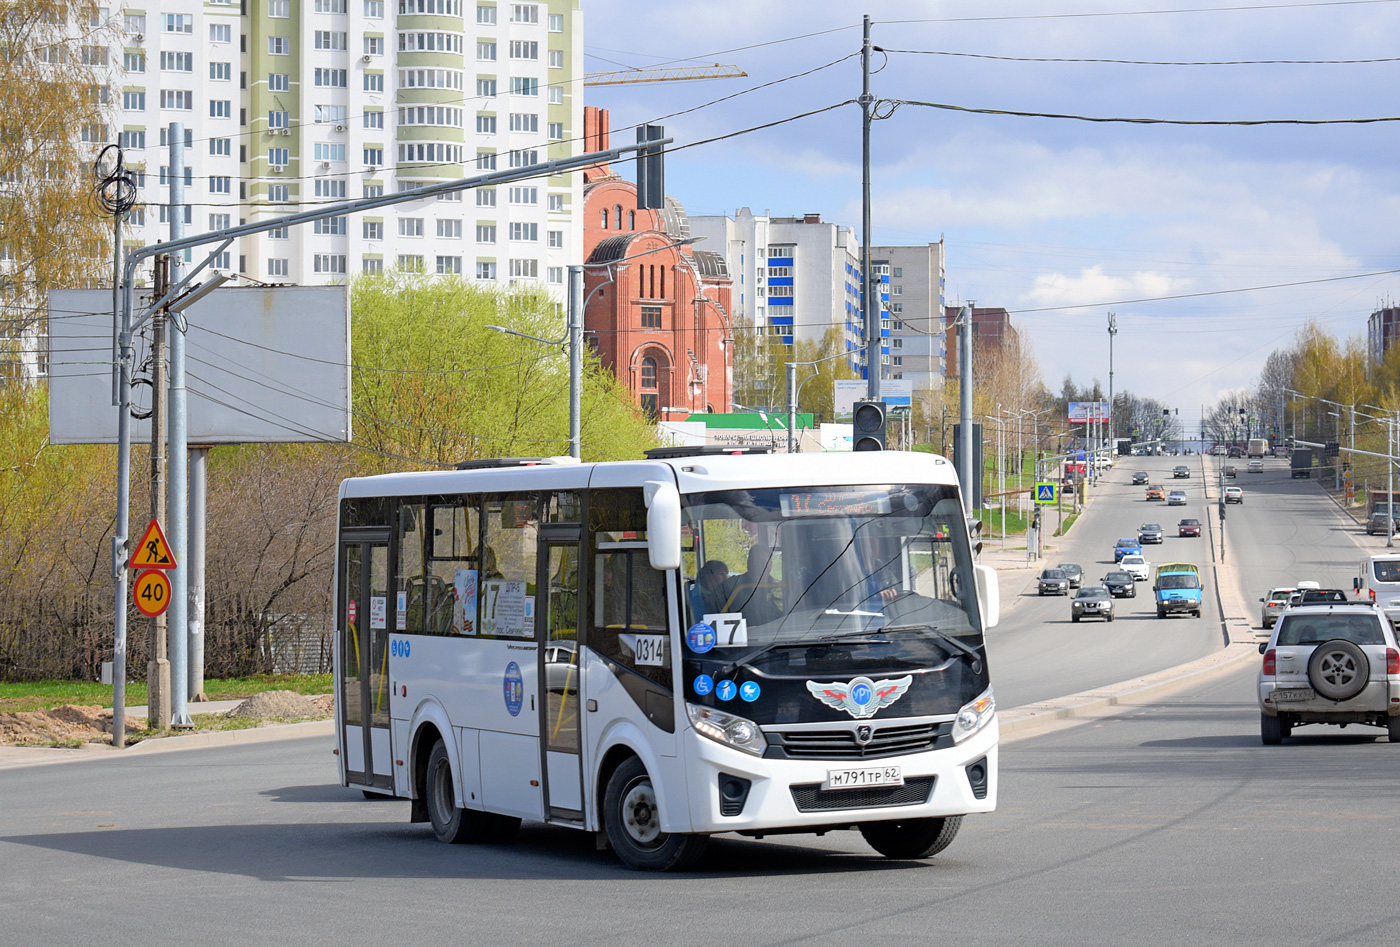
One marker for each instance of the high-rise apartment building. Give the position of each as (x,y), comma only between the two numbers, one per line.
(912,282)
(796,278)
(292,103)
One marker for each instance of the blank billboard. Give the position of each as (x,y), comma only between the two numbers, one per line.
(262,365)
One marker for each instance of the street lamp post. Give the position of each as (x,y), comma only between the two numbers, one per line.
(795,391)
(578,304)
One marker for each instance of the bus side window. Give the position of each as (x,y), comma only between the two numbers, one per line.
(411,584)
(451,583)
(629,613)
(508,562)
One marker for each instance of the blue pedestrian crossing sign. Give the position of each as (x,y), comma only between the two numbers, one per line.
(1045,492)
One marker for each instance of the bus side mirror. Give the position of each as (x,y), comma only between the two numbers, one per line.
(663,524)
(988,595)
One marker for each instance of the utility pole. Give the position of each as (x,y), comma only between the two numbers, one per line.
(964,452)
(1112,331)
(157,664)
(872,301)
(179,459)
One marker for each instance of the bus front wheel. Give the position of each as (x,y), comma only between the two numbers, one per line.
(633,823)
(911,838)
(455,825)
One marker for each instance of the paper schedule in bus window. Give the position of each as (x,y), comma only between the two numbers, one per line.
(503,608)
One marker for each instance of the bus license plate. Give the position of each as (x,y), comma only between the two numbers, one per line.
(1285,694)
(862,778)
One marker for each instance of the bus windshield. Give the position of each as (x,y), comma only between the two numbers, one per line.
(820,581)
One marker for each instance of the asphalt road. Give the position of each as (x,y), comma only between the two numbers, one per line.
(1037,653)
(1167,823)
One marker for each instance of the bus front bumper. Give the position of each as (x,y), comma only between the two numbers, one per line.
(785,794)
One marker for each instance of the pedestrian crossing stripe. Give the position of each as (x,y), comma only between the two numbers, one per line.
(1045,493)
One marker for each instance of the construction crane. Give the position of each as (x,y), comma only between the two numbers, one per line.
(625,76)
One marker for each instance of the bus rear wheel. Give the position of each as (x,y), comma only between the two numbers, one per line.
(633,823)
(455,825)
(911,838)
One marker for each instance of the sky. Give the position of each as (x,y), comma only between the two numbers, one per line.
(1061,221)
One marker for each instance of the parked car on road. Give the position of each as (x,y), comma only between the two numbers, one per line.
(1136,566)
(1376,524)
(1188,528)
(1126,547)
(1092,601)
(1338,665)
(1176,498)
(1072,572)
(1053,582)
(1234,495)
(1180,472)
(1149,533)
(1120,584)
(1156,492)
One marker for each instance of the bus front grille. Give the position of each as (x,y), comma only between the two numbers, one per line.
(844,745)
(811,797)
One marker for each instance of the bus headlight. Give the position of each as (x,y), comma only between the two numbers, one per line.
(974,716)
(729,729)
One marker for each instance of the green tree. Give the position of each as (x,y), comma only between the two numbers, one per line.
(432,384)
(55,106)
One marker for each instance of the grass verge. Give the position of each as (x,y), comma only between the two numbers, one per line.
(1069,521)
(45,695)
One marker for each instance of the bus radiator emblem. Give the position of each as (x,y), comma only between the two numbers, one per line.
(862,697)
(864,733)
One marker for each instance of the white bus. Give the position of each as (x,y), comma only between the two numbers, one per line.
(1379,583)
(662,650)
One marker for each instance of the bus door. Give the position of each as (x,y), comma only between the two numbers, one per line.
(559,710)
(362,608)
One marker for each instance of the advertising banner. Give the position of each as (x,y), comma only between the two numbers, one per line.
(1082,412)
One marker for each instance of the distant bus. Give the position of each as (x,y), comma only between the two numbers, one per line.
(1258,447)
(662,650)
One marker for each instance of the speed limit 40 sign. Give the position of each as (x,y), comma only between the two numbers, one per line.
(151,592)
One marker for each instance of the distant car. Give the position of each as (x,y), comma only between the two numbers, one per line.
(1376,524)
(1093,601)
(1236,452)
(1280,451)
(1230,470)
(1335,665)
(1234,495)
(1176,498)
(1149,533)
(1156,492)
(1072,572)
(1181,471)
(1188,528)
(1053,582)
(1273,605)
(1126,547)
(1136,566)
(1140,478)
(1255,466)
(1120,584)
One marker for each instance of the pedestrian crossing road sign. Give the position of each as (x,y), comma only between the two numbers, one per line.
(1045,493)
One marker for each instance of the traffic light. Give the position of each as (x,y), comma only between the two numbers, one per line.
(974,534)
(651,175)
(868,422)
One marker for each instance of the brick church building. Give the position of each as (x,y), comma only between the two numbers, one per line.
(658,310)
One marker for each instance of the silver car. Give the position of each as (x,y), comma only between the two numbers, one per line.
(1336,664)
(1273,605)
(1091,601)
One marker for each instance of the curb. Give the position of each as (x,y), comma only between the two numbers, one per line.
(1031,719)
(13,757)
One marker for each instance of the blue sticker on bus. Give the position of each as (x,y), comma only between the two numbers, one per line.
(750,691)
(703,684)
(701,638)
(861,694)
(514,689)
(724,690)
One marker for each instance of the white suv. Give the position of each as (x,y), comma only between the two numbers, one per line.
(1336,664)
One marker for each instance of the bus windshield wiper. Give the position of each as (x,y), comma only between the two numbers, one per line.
(933,632)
